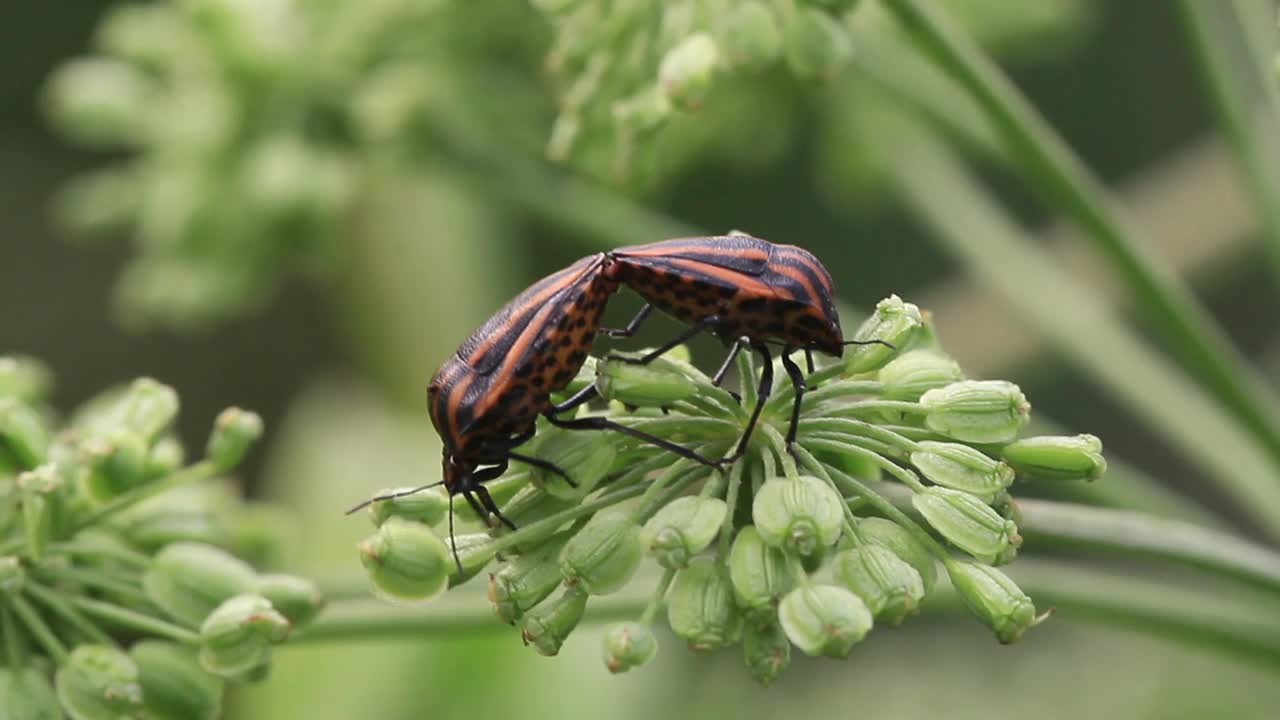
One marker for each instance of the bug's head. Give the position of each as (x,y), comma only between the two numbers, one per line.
(455,471)
(822,331)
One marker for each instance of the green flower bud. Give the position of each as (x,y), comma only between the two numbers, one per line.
(234,431)
(803,515)
(889,586)
(749,35)
(686,71)
(522,583)
(238,635)
(916,372)
(548,625)
(816,44)
(961,467)
(582,455)
(1057,457)
(627,646)
(824,620)
(25,694)
(22,433)
(766,650)
(155,527)
(656,384)
(189,580)
(683,528)
(759,575)
(149,408)
(298,599)
(425,506)
(642,112)
(891,535)
(996,599)
(100,101)
(602,556)
(406,560)
(700,608)
(894,322)
(40,492)
(969,523)
(98,682)
(166,457)
(174,686)
(117,463)
(977,411)
(24,378)
(12,575)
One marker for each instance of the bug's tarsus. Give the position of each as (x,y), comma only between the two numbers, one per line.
(798,382)
(808,361)
(599,423)
(487,500)
(544,464)
(392,496)
(632,326)
(734,349)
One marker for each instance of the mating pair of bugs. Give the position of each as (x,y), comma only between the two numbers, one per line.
(484,401)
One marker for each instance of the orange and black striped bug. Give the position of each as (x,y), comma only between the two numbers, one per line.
(485,399)
(747,291)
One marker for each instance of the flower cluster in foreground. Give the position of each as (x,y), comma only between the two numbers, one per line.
(125,589)
(806,546)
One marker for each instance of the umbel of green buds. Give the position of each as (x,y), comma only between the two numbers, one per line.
(657,383)
(683,528)
(522,583)
(824,619)
(961,467)
(977,411)
(969,523)
(1057,457)
(428,508)
(602,556)
(765,650)
(802,514)
(97,681)
(913,373)
(189,580)
(587,460)
(234,432)
(406,560)
(237,637)
(995,599)
(548,625)
(174,685)
(759,575)
(894,322)
(891,535)
(628,645)
(890,587)
(700,608)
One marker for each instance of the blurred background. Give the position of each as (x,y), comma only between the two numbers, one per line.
(302,208)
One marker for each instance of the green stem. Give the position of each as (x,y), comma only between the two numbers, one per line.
(74,548)
(658,597)
(731,502)
(554,521)
(38,629)
(14,653)
(905,475)
(136,621)
(192,473)
(94,579)
(1198,341)
(848,426)
(832,391)
(746,361)
(59,606)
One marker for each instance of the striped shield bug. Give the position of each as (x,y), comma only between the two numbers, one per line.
(747,291)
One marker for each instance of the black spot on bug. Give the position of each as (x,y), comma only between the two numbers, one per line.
(726,291)
(578,357)
(524,370)
(753,305)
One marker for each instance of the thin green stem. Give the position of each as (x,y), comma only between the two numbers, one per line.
(74,548)
(1047,159)
(731,501)
(846,388)
(551,522)
(14,653)
(59,606)
(133,620)
(192,473)
(849,426)
(658,597)
(905,475)
(38,629)
(746,361)
(94,579)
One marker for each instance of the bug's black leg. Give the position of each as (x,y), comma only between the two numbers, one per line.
(393,495)
(762,394)
(544,464)
(728,361)
(452,544)
(703,324)
(797,381)
(581,397)
(599,423)
(808,359)
(632,326)
(487,501)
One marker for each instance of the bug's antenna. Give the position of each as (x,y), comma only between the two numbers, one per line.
(453,544)
(889,345)
(396,494)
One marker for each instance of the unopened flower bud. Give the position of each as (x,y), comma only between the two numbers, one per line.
(916,372)
(1057,457)
(149,408)
(117,463)
(824,620)
(890,587)
(961,467)
(406,560)
(174,686)
(898,539)
(234,432)
(24,378)
(26,693)
(657,383)
(700,607)
(969,523)
(581,455)
(98,681)
(238,635)
(686,71)
(188,580)
(816,44)
(766,651)
(683,528)
(749,35)
(474,550)
(522,583)
(894,322)
(642,112)
(12,576)
(297,598)
(426,506)
(165,457)
(602,556)
(977,411)
(22,433)
(995,598)
(803,515)
(100,101)
(40,491)
(629,645)
(759,574)
(548,625)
